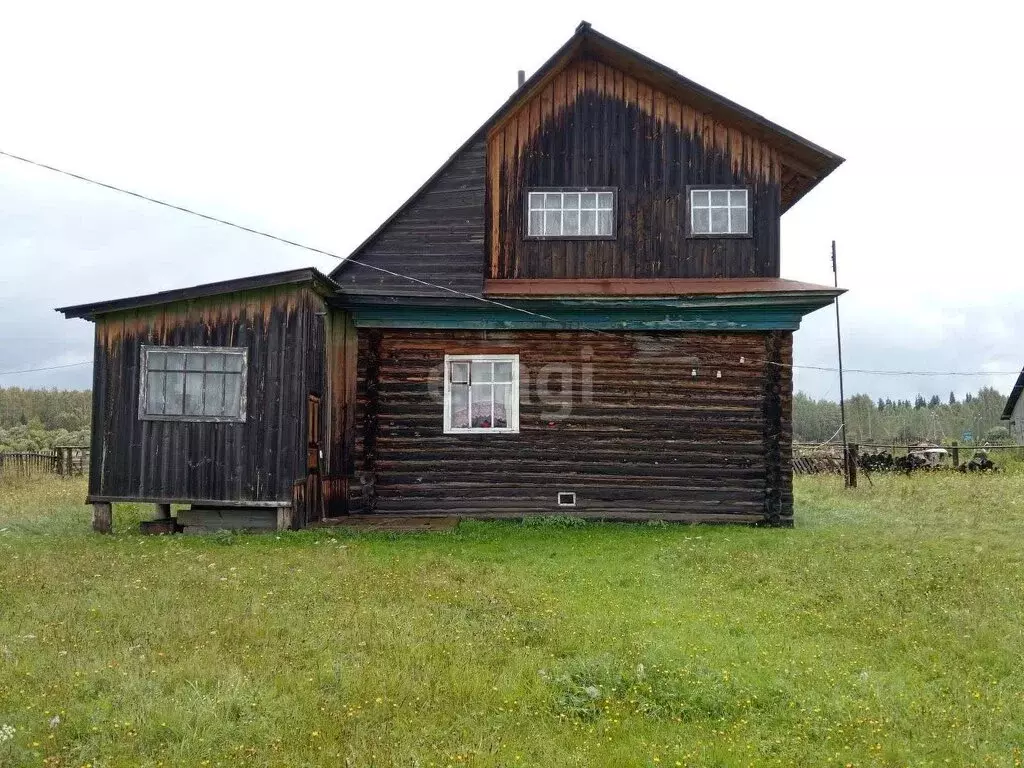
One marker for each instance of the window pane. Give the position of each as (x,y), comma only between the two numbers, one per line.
(719,220)
(604,222)
(194,361)
(588,222)
(173,393)
(460,373)
(739,221)
(481,372)
(536,200)
(699,197)
(232,395)
(588,200)
(193,394)
(460,407)
(503,371)
(214,361)
(553,200)
(175,361)
(502,404)
(155,361)
(213,402)
(571,200)
(481,416)
(738,197)
(701,225)
(155,394)
(536,223)
(571,223)
(719,197)
(604,200)
(233,362)
(552,222)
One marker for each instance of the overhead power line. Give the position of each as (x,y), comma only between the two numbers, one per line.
(47,368)
(322,252)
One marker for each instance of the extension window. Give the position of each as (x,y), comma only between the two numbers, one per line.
(193,383)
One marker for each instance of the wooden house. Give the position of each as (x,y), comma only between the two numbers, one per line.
(581,312)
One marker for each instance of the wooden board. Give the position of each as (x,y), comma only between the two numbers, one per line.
(624,424)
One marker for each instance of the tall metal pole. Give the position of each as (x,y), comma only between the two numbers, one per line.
(842,397)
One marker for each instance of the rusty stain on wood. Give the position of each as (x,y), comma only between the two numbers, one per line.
(611,129)
(257,460)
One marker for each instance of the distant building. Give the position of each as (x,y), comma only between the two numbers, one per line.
(1013,413)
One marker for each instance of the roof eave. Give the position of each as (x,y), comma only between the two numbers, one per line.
(1011,401)
(323,284)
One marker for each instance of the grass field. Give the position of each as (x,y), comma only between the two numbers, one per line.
(886,629)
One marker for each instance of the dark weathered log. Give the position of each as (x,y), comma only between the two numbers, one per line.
(644,433)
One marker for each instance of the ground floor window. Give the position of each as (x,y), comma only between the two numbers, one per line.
(481,393)
(193,383)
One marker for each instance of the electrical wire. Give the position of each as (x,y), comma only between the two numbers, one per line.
(47,368)
(420,281)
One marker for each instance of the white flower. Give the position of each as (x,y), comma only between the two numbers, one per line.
(6,733)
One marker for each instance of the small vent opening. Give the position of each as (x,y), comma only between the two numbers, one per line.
(566,499)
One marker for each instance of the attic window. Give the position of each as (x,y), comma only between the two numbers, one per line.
(718,212)
(571,213)
(481,393)
(193,383)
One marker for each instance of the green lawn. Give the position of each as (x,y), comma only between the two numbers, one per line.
(886,629)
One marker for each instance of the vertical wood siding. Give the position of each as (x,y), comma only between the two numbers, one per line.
(594,125)
(619,419)
(438,237)
(258,460)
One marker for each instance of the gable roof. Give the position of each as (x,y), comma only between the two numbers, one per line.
(323,284)
(804,163)
(1011,401)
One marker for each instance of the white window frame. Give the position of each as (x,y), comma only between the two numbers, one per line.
(512,418)
(532,206)
(729,208)
(146,350)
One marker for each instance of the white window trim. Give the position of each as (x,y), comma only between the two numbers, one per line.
(729,208)
(144,415)
(513,417)
(579,191)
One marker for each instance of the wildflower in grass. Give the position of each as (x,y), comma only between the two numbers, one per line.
(7,733)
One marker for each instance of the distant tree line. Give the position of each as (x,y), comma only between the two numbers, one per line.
(38,419)
(903,422)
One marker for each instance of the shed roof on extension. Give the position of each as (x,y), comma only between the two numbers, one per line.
(804,163)
(318,279)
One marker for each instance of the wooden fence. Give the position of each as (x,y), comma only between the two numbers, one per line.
(64,460)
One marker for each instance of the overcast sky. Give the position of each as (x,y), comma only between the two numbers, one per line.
(315,121)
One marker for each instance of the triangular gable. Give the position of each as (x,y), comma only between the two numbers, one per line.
(415,241)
